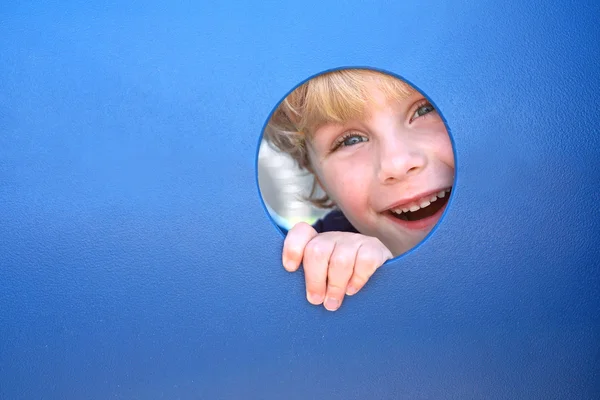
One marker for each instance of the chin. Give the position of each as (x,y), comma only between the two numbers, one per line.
(397,249)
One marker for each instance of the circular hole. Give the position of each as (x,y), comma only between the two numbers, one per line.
(358,151)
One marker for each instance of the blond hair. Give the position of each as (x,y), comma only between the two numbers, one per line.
(332,97)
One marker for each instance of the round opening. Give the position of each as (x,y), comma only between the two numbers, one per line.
(361,151)
(355,166)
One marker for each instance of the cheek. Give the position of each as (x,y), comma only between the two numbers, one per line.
(346,184)
(444,148)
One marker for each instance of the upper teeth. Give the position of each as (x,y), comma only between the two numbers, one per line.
(421,203)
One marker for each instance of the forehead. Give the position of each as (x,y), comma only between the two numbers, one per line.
(354,103)
(338,101)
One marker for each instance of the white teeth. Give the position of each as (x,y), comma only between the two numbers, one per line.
(422,204)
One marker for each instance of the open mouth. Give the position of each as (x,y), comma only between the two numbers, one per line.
(423,208)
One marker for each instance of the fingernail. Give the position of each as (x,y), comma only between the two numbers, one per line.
(350,290)
(332,304)
(315,298)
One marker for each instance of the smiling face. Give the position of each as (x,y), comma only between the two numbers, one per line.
(390,170)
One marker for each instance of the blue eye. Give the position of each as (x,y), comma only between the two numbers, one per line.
(423,110)
(349,139)
(352,140)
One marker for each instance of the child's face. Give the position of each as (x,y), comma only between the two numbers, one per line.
(398,157)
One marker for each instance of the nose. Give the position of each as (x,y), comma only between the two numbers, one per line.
(400,158)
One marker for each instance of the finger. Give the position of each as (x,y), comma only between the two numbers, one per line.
(369,258)
(294,244)
(341,267)
(315,263)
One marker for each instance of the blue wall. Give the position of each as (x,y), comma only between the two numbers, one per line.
(137,260)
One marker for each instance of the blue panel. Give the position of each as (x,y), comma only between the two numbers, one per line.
(137,260)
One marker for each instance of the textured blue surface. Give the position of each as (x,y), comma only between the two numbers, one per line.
(137,260)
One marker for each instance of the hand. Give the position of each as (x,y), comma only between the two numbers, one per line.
(335,263)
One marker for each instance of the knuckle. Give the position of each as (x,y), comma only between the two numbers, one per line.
(315,270)
(293,250)
(364,272)
(334,289)
(291,244)
(368,256)
(358,281)
(314,282)
(316,248)
(342,259)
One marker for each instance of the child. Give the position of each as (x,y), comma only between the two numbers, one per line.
(383,157)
